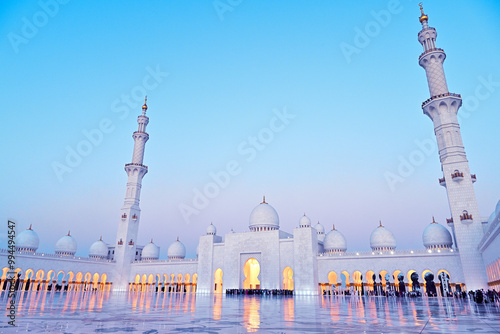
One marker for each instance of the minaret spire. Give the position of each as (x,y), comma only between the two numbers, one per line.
(128,226)
(442,108)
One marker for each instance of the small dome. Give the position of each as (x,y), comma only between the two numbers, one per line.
(176,251)
(334,242)
(304,221)
(211,230)
(66,245)
(27,240)
(98,250)
(436,236)
(321,231)
(382,239)
(150,252)
(264,218)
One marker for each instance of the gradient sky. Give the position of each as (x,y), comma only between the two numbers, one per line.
(354,120)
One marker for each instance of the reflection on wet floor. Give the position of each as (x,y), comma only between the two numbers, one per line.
(148,312)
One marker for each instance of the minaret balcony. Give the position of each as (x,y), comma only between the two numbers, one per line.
(429,100)
(457,176)
(473,177)
(120,242)
(130,243)
(449,220)
(465,217)
(429,51)
(136,164)
(134,217)
(442,182)
(124,217)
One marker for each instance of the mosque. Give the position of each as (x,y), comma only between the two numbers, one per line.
(461,254)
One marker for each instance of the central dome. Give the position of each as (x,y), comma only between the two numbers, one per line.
(334,242)
(150,251)
(264,218)
(382,239)
(176,251)
(66,245)
(98,250)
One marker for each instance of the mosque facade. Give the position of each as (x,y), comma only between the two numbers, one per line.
(461,254)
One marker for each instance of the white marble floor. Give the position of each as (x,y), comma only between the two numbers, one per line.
(148,313)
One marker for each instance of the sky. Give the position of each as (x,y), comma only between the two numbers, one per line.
(316,105)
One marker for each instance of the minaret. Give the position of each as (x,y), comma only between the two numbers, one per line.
(130,213)
(442,108)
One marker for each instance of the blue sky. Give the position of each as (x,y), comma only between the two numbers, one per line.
(221,77)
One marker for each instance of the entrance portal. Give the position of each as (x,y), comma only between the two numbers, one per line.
(251,271)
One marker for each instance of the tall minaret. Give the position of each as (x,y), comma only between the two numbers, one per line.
(442,108)
(126,237)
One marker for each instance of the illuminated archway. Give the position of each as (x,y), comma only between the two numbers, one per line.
(288,278)
(251,270)
(218,281)
(357,279)
(369,280)
(411,284)
(344,276)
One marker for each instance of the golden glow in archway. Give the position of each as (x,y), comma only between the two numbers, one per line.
(288,278)
(251,271)
(218,281)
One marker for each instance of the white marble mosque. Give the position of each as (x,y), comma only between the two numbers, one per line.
(462,253)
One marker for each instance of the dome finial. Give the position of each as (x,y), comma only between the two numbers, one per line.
(145,106)
(380,222)
(333,229)
(69,233)
(29,228)
(423,17)
(433,221)
(304,214)
(177,238)
(100,238)
(151,240)
(263,200)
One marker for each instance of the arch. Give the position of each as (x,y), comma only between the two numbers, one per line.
(251,270)
(218,280)
(384,285)
(445,271)
(288,279)
(151,279)
(95,282)
(369,279)
(344,277)
(445,285)
(410,282)
(195,278)
(332,278)
(357,279)
(104,278)
(425,272)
